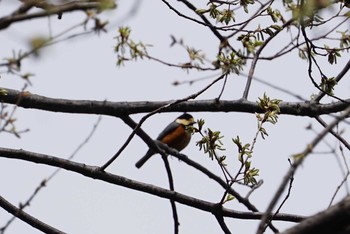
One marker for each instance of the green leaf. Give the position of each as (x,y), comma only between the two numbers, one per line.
(229,197)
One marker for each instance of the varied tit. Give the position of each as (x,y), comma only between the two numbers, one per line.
(175,135)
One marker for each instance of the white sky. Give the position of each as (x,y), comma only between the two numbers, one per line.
(84,68)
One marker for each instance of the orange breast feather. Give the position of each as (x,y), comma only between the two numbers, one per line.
(177,139)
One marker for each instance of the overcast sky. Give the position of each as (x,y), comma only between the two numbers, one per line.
(85,68)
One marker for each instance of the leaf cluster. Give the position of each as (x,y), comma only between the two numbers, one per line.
(271,109)
(126,48)
(328,84)
(230,62)
(225,15)
(210,143)
(244,154)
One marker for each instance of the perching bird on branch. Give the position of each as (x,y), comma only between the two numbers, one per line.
(176,135)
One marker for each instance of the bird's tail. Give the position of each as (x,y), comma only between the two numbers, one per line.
(144,159)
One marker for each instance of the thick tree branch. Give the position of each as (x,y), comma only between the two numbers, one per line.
(218,215)
(118,109)
(27,218)
(95,173)
(333,220)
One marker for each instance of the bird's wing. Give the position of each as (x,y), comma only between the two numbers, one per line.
(169,129)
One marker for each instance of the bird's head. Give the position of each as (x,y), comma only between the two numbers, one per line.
(185,119)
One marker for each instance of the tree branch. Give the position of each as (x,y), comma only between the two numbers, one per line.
(333,220)
(336,135)
(219,217)
(337,79)
(172,188)
(58,9)
(222,39)
(256,58)
(19,213)
(95,173)
(119,109)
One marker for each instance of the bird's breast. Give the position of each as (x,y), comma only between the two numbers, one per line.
(178,139)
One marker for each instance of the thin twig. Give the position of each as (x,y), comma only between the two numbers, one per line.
(285,199)
(255,187)
(311,59)
(345,176)
(171,188)
(256,58)
(341,74)
(336,135)
(222,89)
(337,157)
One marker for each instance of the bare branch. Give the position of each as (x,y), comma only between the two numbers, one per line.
(95,173)
(336,135)
(256,58)
(219,217)
(119,109)
(334,220)
(172,188)
(27,218)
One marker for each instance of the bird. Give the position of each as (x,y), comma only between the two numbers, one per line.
(175,135)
